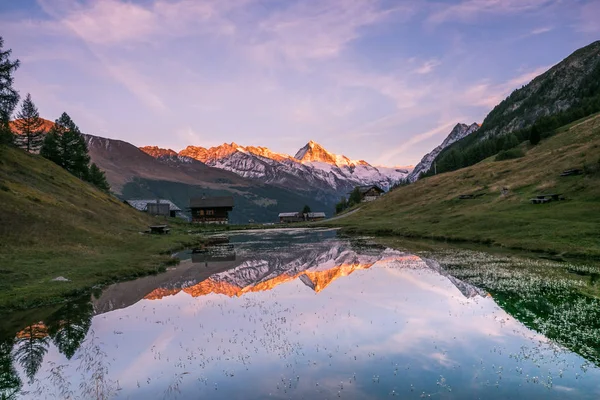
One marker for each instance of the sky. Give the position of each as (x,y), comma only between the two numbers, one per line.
(379,80)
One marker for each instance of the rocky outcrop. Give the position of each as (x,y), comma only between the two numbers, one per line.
(460,131)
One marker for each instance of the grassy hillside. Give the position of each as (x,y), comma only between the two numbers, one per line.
(430,208)
(568,91)
(53,224)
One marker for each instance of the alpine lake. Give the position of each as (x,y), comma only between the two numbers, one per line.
(312,314)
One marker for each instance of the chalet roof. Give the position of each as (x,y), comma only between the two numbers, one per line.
(316,215)
(365,189)
(142,205)
(289,214)
(205,202)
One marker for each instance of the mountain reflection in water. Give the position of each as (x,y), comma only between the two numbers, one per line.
(267,316)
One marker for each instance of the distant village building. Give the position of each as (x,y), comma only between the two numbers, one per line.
(370,193)
(161,207)
(211,210)
(315,216)
(290,217)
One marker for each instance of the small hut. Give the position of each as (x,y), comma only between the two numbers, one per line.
(315,216)
(161,207)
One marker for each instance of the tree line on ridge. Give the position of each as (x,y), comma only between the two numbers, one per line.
(63,144)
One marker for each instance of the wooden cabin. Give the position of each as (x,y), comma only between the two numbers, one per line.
(211,210)
(160,207)
(370,193)
(315,216)
(289,217)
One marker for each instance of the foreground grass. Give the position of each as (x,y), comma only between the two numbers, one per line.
(430,208)
(53,224)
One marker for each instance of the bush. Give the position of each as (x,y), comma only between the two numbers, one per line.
(509,154)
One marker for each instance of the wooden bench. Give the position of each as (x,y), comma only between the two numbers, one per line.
(571,172)
(537,200)
(546,198)
(159,229)
(470,196)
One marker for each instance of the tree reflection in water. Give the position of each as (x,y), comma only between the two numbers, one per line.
(10,383)
(66,328)
(30,348)
(69,326)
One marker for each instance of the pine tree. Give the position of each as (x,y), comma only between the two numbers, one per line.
(64,145)
(9,98)
(97,178)
(341,206)
(534,135)
(355,197)
(30,126)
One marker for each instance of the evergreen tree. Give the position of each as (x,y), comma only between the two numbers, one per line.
(10,383)
(30,349)
(306,209)
(97,178)
(9,98)
(534,135)
(341,206)
(354,197)
(511,142)
(64,145)
(69,326)
(30,126)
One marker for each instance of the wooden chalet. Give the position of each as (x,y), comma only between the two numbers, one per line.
(211,210)
(370,193)
(289,217)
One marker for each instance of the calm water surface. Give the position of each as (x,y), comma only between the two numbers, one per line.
(292,314)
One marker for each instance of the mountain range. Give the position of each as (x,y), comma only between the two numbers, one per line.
(313,167)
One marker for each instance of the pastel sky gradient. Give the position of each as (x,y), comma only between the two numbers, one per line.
(380,80)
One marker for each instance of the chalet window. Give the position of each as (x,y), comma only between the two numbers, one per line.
(210,212)
(201,212)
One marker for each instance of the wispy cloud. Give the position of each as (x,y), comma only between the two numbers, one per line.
(316,29)
(112,22)
(541,30)
(470,9)
(442,129)
(428,66)
(489,95)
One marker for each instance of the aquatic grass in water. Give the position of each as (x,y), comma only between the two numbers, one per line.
(537,292)
(306,314)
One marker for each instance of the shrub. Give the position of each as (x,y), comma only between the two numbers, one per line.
(509,154)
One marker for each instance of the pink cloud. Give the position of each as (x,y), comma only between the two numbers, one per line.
(470,9)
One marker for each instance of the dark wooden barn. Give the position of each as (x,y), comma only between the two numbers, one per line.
(211,210)
(370,193)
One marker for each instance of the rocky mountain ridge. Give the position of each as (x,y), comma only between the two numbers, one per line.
(459,132)
(312,167)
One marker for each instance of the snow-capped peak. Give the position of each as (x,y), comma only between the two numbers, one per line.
(314,152)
